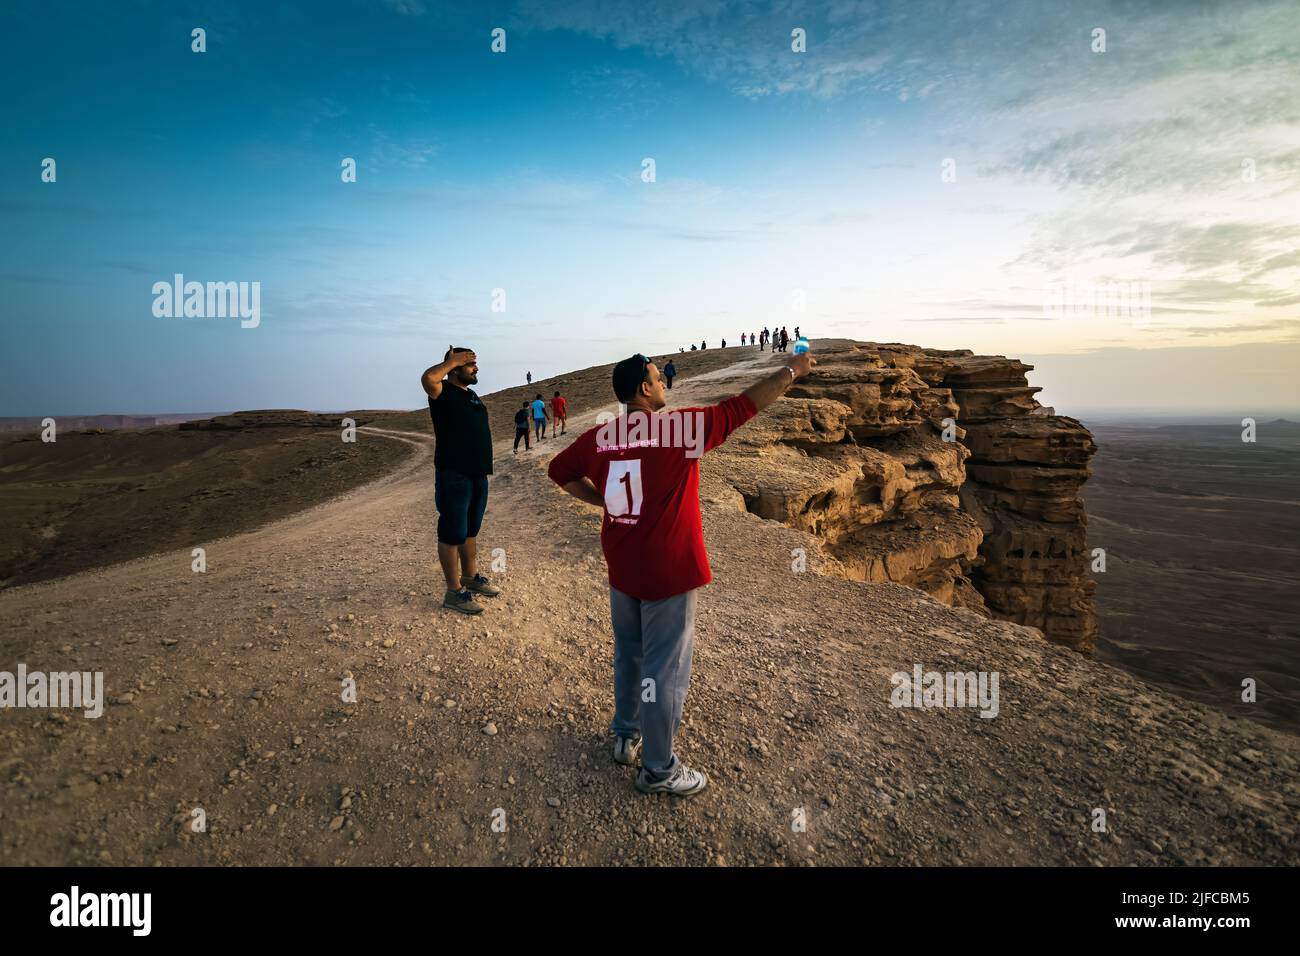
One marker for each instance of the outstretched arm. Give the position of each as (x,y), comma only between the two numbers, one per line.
(724,418)
(767,390)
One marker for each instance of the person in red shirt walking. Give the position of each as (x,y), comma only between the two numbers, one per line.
(643,469)
(559,413)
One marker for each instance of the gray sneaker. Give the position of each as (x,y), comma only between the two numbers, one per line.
(682,782)
(479,585)
(627,750)
(462,601)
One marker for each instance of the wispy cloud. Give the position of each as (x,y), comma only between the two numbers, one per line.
(1178,141)
(407,8)
(388,151)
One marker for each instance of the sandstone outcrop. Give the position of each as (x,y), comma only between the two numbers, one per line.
(934,469)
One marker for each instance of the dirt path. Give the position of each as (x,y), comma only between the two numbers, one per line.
(226,690)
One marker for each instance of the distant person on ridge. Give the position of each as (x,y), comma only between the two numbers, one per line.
(742,339)
(670,373)
(704,345)
(653,541)
(521,427)
(529,376)
(559,413)
(540,414)
(462,460)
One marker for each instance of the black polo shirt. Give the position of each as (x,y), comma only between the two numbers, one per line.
(460,422)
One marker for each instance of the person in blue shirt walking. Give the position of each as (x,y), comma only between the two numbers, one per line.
(540,417)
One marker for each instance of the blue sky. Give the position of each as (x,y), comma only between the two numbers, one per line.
(779,176)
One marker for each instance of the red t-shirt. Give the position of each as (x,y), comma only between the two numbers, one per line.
(648,469)
(558,405)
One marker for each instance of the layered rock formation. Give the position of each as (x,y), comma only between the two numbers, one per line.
(934,469)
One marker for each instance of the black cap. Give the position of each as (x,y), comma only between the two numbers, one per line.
(628,376)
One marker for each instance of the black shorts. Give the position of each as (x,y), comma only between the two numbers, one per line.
(461,501)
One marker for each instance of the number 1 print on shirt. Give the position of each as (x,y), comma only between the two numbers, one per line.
(623,488)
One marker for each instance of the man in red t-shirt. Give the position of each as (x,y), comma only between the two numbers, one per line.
(643,469)
(559,412)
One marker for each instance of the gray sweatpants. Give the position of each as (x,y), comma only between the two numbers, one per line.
(653,644)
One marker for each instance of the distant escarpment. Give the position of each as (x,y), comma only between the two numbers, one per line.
(934,469)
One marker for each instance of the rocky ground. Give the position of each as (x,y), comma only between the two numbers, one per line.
(226,697)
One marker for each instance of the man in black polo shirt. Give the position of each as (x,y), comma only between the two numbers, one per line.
(462,460)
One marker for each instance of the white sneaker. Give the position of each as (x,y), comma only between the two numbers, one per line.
(627,750)
(682,782)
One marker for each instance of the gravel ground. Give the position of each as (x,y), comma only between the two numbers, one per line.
(482,741)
